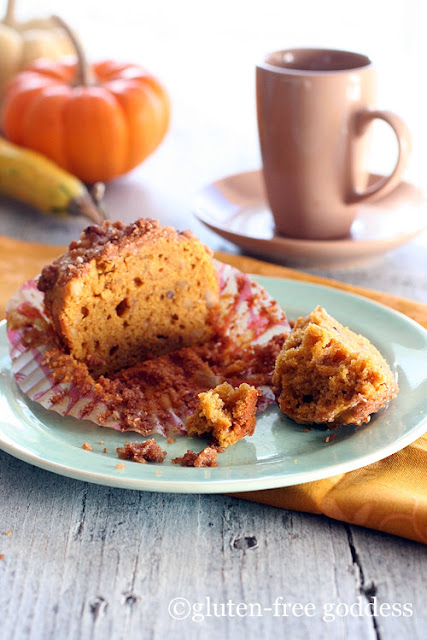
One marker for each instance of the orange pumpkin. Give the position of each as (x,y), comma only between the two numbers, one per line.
(96,122)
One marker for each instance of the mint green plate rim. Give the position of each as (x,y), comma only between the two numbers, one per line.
(281,453)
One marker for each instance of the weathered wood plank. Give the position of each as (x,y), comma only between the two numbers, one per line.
(85,561)
(392,571)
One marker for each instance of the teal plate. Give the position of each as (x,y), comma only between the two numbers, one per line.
(280,453)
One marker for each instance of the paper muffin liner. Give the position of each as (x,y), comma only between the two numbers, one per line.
(248,316)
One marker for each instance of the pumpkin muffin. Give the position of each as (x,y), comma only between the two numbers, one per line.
(326,373)
(225,414)
(125,293)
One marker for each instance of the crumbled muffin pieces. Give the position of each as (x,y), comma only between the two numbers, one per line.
(147,451)
(206,458)
(225,414)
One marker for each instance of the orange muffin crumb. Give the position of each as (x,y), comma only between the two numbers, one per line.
(225,414)
(206,458)
(87,446)
(326,373)
(147,451)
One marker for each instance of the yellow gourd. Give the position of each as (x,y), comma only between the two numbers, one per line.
(29,177)
(23,42)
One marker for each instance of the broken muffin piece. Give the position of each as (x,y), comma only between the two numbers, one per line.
(147,451)
(326,373)
(225,414)
(124,293)
(206,458)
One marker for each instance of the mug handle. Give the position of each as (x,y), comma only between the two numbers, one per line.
(387,183)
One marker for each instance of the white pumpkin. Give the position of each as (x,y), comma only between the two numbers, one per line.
(23,42)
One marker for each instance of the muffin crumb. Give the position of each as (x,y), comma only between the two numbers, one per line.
(142,452)
(208,457)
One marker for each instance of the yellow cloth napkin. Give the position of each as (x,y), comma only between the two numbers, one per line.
(390,495)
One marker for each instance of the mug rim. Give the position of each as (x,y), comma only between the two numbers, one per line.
(365,62)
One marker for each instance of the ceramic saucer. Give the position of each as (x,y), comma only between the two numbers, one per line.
(236,208)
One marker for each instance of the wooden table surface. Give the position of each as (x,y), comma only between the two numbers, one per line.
(83,561)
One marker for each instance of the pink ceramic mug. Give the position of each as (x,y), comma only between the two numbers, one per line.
(314,108)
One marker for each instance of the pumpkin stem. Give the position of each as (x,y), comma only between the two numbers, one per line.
(84,76)
(9,18)
(85,205)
